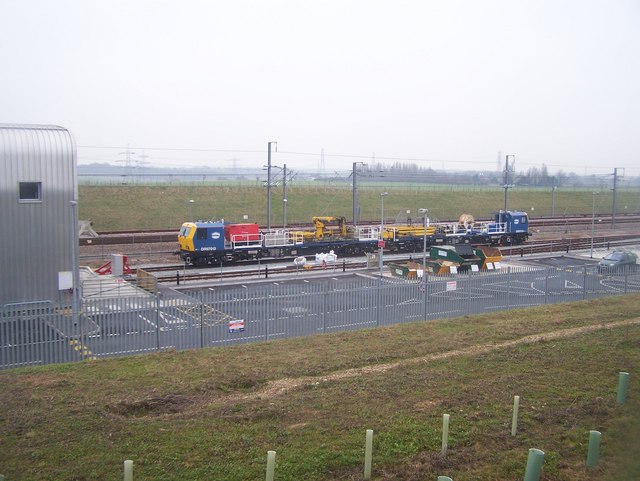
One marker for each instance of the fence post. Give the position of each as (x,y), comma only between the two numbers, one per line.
(326,306)
(425,279)
(594,448)
(378,300)
(128,470)
(626,281)
(267,310)
(81,336)
(514,419)
(584,282)
(534,465)
(368,453)
(271,465)
(469,293)
(509,288)
(546,285)
(623,380)
(158,321)
(201,296)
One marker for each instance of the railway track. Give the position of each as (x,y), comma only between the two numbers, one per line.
(176,272)
(160,236)
(560,234)
(582,220)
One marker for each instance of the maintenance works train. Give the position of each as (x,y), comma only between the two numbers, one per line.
(220,242)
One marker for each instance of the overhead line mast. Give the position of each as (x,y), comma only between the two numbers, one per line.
(506,177)
(613,209)
(269,183)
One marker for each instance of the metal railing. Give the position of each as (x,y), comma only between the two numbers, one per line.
(125,323)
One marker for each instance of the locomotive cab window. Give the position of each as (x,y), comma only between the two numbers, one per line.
(30,191)
(201,234)
(184,232)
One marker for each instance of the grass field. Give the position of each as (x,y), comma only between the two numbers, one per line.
(116,207)
(214,414)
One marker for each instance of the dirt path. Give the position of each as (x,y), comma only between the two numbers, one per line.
(282,386)
(186,405)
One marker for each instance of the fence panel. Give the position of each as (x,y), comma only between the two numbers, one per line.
(121,325)
(403,303)
(228,316)
(180,322)
(615,283)
(39,333)
(446,297)
(353,307)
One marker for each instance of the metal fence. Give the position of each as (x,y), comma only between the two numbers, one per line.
(40,333)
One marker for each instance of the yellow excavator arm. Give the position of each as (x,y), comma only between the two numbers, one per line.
(320,223)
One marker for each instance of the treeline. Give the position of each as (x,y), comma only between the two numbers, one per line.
(371,172)
(532,177)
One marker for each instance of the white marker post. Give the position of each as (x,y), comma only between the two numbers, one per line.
(368,454)
(271,465)
(128,470)
(514,420)
(445,433)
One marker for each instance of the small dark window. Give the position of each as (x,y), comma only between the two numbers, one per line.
(30,191)
(201,234)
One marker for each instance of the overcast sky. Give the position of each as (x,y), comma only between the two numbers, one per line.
(440,83)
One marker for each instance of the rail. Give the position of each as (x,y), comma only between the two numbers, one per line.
(264,271)
(156,236)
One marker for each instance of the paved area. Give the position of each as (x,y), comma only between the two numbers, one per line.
(95,286)
(118,319)
(580,258)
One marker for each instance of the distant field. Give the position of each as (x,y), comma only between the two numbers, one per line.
(118,207)
(212,414)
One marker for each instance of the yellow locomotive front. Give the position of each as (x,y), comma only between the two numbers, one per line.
(185,237)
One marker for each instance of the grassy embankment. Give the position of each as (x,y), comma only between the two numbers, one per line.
(167,206)
(213,414)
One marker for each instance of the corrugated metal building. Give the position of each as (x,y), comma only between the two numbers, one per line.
(38,213)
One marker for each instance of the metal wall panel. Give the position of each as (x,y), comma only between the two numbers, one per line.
(38,237)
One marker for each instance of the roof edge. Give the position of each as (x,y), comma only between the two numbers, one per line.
(31,127)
